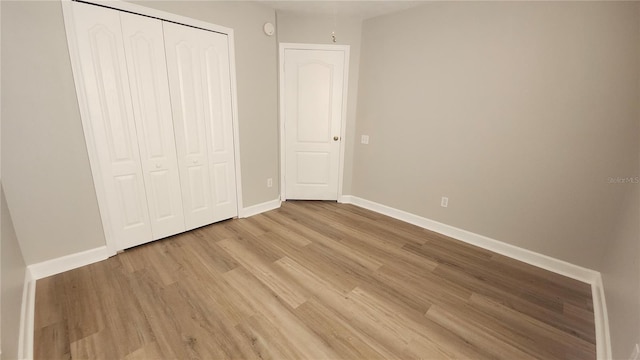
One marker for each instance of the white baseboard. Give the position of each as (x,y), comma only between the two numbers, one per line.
(512,251)
(601,317)
(43,270)
(259,208)
(51,267)
(603,342)
(27,317)
(69,262)
(345,199)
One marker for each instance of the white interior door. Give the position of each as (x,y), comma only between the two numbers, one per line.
(108,101)
(198,67)
(144,50)
(312,107)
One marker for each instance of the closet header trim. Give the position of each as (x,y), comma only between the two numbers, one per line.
(157,14)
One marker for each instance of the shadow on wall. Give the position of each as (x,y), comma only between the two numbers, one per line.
(12,268)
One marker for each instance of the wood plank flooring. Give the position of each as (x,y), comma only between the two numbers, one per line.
(312,280)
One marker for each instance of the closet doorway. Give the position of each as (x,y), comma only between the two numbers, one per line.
(157,99)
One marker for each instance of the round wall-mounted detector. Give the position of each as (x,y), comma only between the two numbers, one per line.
(269,28)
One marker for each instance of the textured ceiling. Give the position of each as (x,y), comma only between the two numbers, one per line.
(359,9)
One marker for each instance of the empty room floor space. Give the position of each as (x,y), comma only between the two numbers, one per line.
(312,280)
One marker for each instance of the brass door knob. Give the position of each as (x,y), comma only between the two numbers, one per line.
(335,138)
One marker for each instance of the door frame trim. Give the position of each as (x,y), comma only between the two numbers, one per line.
(343,128)
(67,11)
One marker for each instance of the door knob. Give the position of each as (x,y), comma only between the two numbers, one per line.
(336,138)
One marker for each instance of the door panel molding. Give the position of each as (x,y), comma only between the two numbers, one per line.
(109,116)
(144,50)
(282,78)
(204,137)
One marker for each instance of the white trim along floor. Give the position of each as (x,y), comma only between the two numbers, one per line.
(603,343)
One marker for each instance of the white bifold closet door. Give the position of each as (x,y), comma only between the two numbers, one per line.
(200,88)
(111,119)
(144,50)
(158,122)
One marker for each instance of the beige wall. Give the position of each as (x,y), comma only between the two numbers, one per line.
(45,164)
(45,168)
(316,29)
(13,268)
(256,73)
(519,112)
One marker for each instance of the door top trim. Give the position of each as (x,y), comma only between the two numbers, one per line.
(327,47)
(158,14)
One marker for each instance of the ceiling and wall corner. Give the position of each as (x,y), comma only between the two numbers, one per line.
(359,10)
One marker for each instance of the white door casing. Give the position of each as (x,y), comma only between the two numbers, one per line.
(201,102)
(144,50)
(106,87)
(313,104)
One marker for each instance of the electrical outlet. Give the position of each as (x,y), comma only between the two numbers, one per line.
(269,182)
(444,202)
(364,139)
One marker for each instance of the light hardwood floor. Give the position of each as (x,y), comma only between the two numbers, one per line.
(312,280)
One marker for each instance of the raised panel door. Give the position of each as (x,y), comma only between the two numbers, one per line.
(144,49)
(111,122)
(219,123)
(184,64)
(313,86)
